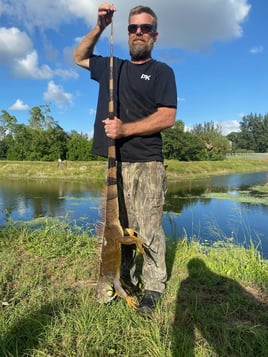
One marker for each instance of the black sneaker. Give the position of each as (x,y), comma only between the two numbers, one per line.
(149,301)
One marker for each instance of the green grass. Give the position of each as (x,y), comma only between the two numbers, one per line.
(215,303)
(254,195)
(37,170)
(178,170)
(260,189)
(95,170)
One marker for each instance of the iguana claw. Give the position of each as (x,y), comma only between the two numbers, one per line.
(132,302)
(141,246)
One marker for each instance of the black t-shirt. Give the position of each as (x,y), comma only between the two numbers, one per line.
(139,89)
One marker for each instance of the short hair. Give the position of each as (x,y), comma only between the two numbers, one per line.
(140,9)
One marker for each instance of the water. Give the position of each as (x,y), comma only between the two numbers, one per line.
(186,211)
(215,219)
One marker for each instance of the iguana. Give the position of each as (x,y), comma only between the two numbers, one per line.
(109,284)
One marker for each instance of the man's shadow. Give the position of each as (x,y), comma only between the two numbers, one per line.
(218,314)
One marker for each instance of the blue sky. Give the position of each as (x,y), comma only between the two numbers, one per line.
(217,48)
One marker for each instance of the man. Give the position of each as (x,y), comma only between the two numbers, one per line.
(145,100)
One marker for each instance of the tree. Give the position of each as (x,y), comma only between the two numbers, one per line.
(253,133)
(40,118)
(7,123)
(57,141)
(171,147)
(49,141)
(233,138)
(181,145)
(48,145)
(216,144)
(79,147)
(42,140)
(192,148)
(19,145)
(246,137)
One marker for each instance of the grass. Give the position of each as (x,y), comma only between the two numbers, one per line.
(256,195)
(215,304)
(37,170)
(260,196)
(95,170)
(260,189)
(177,170)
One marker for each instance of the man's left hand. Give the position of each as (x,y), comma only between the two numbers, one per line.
(114,128)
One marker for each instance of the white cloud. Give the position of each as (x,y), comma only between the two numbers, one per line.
(55,94)
(28,67)
(19,105)
(229,126)
(65,74)
(188,24)
(17,53)
(196,25)
(256,50)
(92,112)
(13,43)
(187,128)
(49,14)
(226,126)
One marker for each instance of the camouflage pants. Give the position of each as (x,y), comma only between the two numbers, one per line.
(141,190)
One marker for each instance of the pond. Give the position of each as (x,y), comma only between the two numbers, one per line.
(205,209)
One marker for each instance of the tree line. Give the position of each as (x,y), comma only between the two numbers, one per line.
(43,139)
(253,134)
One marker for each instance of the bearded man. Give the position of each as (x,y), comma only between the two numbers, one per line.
(145,102)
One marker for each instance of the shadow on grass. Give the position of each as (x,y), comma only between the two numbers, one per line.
(218,316)
(27,332)
(171,249)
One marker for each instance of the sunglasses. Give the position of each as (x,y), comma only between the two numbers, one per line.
(145,28)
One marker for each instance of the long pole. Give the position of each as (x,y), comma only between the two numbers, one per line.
(111,78)
(111,179)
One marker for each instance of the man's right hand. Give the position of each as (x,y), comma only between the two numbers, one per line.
(85,48)
(105,14)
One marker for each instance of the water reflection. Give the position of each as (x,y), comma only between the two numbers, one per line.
(186,211)
(27,200)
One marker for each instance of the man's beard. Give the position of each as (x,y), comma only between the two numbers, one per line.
(140,50)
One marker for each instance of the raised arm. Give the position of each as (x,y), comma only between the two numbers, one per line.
(85,48)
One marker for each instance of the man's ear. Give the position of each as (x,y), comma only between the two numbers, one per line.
(155,36)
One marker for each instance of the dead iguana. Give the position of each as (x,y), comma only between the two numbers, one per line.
(109,284)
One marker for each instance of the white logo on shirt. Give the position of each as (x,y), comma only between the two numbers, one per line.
(147,77)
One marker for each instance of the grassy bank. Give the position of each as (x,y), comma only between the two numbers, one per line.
(215,303)
(95,170)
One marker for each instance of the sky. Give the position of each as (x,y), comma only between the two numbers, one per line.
(217,49)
